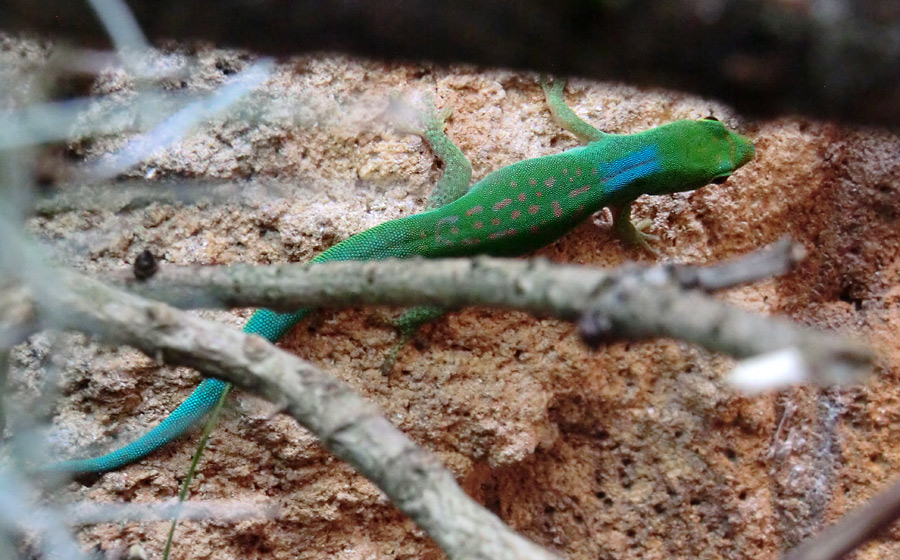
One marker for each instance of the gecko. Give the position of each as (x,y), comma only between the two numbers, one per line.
(512,211)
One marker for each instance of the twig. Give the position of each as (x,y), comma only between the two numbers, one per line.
(853,529)
(176,126)
(19,514)
(88,513)
(778,258)
(351,427)
(17,315)
(634,302)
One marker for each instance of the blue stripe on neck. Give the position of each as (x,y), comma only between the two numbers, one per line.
(621,172)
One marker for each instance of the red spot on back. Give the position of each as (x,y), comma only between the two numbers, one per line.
(474,210)
(502,204)
(496,221)
(522,197)
(500,234)
(575,192)
(550,182)
(557,209)
(478,225)
(534,209)
(515,214)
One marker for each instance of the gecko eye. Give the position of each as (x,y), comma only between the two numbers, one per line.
(719,180)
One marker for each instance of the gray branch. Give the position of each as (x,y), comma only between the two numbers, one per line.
(834,59)
(634,302)
(17,318)
(853,529)
(89,513)
(351,427)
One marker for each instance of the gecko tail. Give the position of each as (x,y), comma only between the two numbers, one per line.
(196,406)
(267,324)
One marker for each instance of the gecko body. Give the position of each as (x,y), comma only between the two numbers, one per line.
(512,211)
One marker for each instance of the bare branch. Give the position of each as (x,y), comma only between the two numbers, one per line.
(853,529)
(17,315)
(89,513)
(19,514)
(351,427)
(779,258)
(634,302)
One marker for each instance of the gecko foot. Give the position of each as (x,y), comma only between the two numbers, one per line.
(407,326)
(633,234)
(553,87)
(422,121)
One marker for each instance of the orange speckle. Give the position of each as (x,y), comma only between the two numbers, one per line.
(557,209)
(575,192)
(502,204)
(500,234)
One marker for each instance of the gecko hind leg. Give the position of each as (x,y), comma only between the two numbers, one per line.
(407,325)
(564,115)
(428,123)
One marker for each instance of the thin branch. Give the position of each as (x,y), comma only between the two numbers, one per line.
(17,315)
(778,258)
(120,25)
(351,427)
(635,302)
(176,126)
(20,515)
(635,310)
(89,513)
(853,529)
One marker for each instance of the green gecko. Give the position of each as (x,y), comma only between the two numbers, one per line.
(512,211)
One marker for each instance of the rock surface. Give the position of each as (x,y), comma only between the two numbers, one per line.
(637,450)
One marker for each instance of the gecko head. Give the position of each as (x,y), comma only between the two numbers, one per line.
(695,153)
